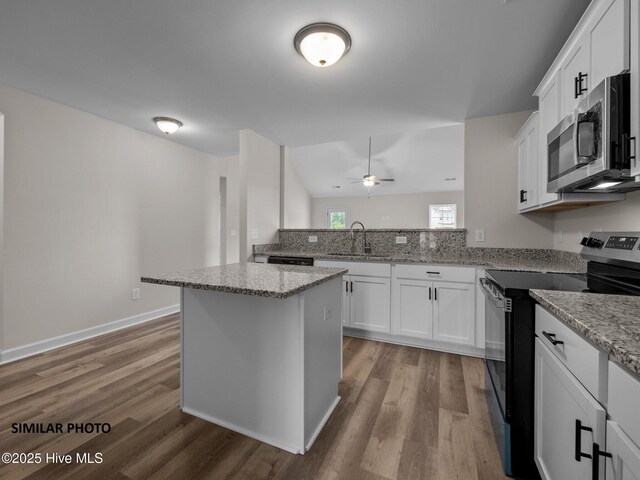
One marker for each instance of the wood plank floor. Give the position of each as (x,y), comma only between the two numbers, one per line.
(405,413)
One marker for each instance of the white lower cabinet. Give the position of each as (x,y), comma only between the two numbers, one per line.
(438,310)
(567,420)
(568,379)
(369,307)
(624,463)
(413,307)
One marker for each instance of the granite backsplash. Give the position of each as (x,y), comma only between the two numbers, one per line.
(445,243)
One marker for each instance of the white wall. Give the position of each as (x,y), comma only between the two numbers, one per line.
(297,201)
(90,206)
(387,211)
(621,216)
(490,172)
(259,204)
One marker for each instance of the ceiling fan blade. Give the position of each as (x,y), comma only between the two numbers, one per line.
(387,179)
(357,181)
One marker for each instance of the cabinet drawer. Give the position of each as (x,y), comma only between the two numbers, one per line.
(586,362)
(436,272)
(624,399)
(359,268)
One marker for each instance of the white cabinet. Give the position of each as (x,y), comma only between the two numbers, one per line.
(607,40)
(623,428)
(434,309)
(624,463)
(413,307)
(635,82)
(548,118)
(574,77)
(453,312)
(369,299)
(527,140)
(567,420)
(366,294)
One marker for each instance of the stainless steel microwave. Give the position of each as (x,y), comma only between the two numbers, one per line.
(590,150)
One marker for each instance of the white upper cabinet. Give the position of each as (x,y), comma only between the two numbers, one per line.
(574,77)
(548,118)
(607,40)
(634,67)
(527,140)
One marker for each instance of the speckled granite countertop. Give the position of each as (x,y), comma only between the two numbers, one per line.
(264,280)
(508,263)
(612,322)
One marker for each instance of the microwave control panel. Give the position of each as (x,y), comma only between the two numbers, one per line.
(621,243)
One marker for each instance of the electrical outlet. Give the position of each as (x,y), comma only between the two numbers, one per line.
(313,238)
(401,239)
(328,313)
(135,294)
(580,236)
(254,234)
(560,236)
(480,235)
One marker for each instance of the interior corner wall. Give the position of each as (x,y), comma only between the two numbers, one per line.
(89,207)
(572,225)
(297,201)
(410,210)
(1,231)
(233,208)
(490,172)
(259,204)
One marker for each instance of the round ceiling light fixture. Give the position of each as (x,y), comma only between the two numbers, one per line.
(167,125)
(322,44)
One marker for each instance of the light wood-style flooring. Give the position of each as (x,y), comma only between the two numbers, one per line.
(405,414)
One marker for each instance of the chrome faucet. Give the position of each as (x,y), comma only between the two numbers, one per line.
(367,247)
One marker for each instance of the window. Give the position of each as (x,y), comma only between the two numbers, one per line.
(442,216)
(337,218)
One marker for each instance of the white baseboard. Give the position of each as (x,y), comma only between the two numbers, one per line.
(41,346)
(324,420)
(244,431)
(468,350)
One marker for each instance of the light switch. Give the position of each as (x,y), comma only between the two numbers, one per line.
(254,234)
(480,235)
(313,238)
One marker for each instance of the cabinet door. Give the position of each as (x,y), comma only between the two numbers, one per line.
(574,76)
(635,84)
(413,308)
(346,300)
(607,38)
(549,117)
(453,312)
(560,402)
(523,174)
(532,163)
(624,463)
(370,303)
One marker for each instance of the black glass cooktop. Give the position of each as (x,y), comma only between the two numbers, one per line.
(519,283)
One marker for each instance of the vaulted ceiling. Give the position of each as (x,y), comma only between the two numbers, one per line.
(220,66)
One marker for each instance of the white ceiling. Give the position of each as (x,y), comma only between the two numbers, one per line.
(419,161)
(223,65)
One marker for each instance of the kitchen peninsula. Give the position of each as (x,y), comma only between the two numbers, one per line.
(261,348)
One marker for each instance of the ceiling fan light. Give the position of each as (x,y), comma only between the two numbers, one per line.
(369,181)
(322,44)
(167,125)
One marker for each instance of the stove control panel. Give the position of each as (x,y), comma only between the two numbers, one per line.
(621,248)
(621,243)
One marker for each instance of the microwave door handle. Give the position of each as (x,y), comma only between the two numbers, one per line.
(576,139)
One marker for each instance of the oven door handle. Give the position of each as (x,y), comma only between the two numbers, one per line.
(494,296)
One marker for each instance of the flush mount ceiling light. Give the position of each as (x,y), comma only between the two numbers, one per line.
(167,125)
(322,44)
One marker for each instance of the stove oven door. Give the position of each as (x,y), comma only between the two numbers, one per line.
(497,318)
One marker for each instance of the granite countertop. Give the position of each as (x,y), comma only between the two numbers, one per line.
(612,322)
(507,263)
(264,280)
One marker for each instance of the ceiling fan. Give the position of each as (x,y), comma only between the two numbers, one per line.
(369,180)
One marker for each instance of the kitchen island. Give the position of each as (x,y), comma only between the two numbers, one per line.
(261,348)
